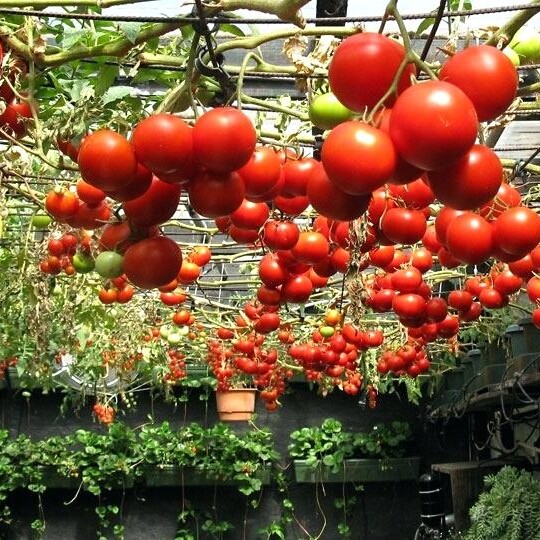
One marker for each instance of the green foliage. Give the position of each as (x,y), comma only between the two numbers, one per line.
(329,445)
(509,509)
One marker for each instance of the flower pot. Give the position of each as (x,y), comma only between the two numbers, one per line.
(360,470)
(531,335)
(173,475)
(516,335)
(235,405)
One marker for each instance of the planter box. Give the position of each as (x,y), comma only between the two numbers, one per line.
(52,479)
(171,475)
(360,470)
(531,335)
(516,335)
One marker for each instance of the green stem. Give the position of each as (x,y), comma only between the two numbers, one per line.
(504,35)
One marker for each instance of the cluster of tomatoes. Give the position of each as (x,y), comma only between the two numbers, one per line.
(105,414)
(410,359)
(232,359)
(177,367)
(116,290)
(68,253)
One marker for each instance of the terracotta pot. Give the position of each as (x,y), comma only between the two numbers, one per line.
(235,405)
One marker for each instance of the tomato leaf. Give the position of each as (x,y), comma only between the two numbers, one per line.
(232,29)
(115,93)
(105,78)
(424,25)
(131,30)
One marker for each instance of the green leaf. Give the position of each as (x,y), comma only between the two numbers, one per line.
(424,25)
(72,37)
(105,78)
(232,29)
(131,30)
(115,93)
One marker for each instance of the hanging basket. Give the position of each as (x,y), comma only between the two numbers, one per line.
(235,405)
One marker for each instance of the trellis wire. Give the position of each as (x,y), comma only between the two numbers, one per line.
(225,20)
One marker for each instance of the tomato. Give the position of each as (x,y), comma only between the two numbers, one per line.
(517,230)
(536,317)
(406,280)
(164,144)
(280,235)
(340,259)
(311,247)
(200,255)
(533,289)
(15,118)
(250,215)
(358,158)
(326,111)
(363,68)
(138,186)
(382,256)
(403,226)
(269,296)
(213,195)
(433,124)
(261,173)
(61,204)
(506,197)
(272,271)
(189,272)
(224,139)
(486,75)
(526,43)
(492,298)
(507,282)
(422,259)
(381,202)
(88,193)
(297,289)
(109,264)
(108,296)
(292,206)
(172,299)
(107,160)
(243,236)
(83,263)
(430,239)
(317,281)
(469,238)
(445,216)
(449,326)
(330,201)
(155,206)
(436,309)
(152,262)
(267,323)
(416,194)
(409,305)
(471,181)
(296,175)
(381,301)
(91,217)
(472,313)
(40,221)
(460,300)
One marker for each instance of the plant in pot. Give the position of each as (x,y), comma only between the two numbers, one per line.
(328,453)
(509,508)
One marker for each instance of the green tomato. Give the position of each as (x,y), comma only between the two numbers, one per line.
(164,331)
(41,221)
(512,55)
(174,338)
(183,330)
(526,43)
(83,263)
(326,331)
(326,112)
(109,264)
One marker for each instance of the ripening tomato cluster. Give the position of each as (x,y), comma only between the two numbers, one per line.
(410,359)
(177,367)
(116,290)
(69,253)
(104,413)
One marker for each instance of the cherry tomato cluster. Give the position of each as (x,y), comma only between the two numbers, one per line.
(410,359)
(177,367)
(69,253)
(116,290)
(105,414)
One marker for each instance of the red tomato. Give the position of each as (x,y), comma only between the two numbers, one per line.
(250,215)
(107,160)
(269,296)
(311,247)
(445,216)
(433,124)
(271,270)
(200,255)
(15,116)
(261,173)
(406,280)
(155,206)
(297,289)
(213,195)
(88,193)
(403,226)
(91,217)
(189,272)
(363,68)
(533,289)
(280,235)
(224,139)
(449,327)
(416,194)
(152,262)
(507,282)
(492,299)
(61,204)
(243,236)
(164,144)
(340,258)
(409,305)
(430,239)
(292,206)
(358,158)
(330,201)
(507,197)
(469,238)
(138,186)
(470,182)
(486,75)
(422,259)
(460,300)
(382,256)
(436,309)
(296,174)
(267,323)
(517,230)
